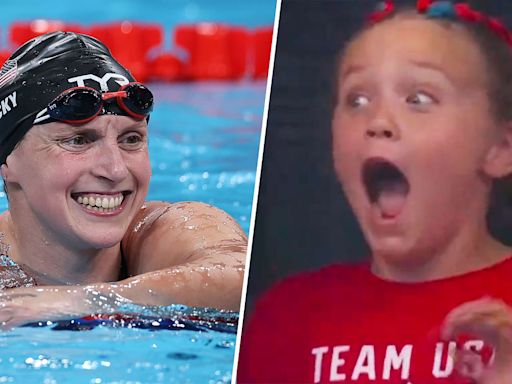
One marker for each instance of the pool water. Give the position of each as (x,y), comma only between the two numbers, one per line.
(203,146)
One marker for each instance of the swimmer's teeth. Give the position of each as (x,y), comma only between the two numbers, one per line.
(99,204)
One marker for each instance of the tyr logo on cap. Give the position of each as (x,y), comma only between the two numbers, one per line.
(102,81)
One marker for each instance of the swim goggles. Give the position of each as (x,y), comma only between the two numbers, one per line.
(80,105)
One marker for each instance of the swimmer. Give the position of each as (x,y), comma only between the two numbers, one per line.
(79,237)
(422,131)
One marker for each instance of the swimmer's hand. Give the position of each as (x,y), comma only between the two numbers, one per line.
(489,320)
(20,306)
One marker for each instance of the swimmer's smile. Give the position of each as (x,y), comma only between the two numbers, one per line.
(101,204)
(386,186)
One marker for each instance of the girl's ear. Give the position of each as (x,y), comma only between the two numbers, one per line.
(498,162)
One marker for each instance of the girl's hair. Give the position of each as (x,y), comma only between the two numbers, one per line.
(492,38)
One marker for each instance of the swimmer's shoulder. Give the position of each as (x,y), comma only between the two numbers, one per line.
(163,234)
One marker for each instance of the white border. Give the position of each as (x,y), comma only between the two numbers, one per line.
(256,188)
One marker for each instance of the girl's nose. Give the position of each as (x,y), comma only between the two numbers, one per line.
(383,126)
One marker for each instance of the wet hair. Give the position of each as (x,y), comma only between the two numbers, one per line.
(491,37)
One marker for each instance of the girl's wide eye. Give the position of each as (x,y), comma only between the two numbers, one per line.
(420,98)
(357,100)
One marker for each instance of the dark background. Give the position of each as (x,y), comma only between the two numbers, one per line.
(303,221)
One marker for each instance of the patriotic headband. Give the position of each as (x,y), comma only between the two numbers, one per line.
(447,10)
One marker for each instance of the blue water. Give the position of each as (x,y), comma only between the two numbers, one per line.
(250,13)
(204,140)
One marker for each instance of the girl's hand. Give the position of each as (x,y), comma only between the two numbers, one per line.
(489,320)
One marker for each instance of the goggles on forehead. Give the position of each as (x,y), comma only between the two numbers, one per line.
(80,105)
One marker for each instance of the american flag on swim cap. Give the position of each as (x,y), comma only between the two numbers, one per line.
(8,72)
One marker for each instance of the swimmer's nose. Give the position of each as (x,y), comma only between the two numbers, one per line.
(110,163)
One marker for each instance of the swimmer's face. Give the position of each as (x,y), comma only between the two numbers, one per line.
(415,141)
(59,172)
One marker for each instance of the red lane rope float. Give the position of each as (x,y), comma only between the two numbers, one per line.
(212,51)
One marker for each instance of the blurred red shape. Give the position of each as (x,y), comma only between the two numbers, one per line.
(261,49)
(214,51)
(130,43)
(166,67)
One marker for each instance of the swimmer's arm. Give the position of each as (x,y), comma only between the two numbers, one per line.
(185,253)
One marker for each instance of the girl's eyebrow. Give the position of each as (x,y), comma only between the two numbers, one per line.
(357,68)
(351,69)
(433,67)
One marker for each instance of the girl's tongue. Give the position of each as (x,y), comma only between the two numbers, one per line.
(386,186)
(391,199)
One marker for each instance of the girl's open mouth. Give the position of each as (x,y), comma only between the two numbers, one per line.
(386,186)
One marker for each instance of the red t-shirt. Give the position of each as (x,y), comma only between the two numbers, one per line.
(343,324)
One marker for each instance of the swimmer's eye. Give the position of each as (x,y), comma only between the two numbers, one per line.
(357,100)
(420,98)
(75,142)
(133,141)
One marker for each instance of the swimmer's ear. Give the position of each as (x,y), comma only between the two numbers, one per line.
(7,173)
(498,162)
(4,172)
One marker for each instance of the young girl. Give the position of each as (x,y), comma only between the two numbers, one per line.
(422,129)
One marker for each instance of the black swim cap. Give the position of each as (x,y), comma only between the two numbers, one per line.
(42,69)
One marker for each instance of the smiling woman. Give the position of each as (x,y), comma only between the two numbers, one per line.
(78,234)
